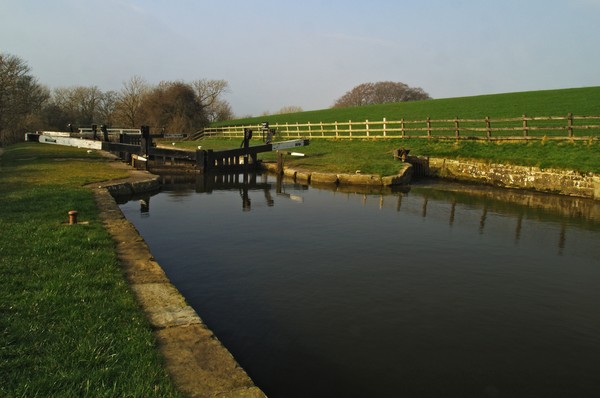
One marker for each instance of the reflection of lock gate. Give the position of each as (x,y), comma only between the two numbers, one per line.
(245,183)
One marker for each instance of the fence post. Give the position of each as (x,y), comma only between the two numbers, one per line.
(525,128)
(309,131)
(350,127)
(287,129)
(456,127)
(402,127)
(384,127)
(336,129)
(428,127)
(367,126)
(570,124)
(488,127)
(298,129)
(322,132)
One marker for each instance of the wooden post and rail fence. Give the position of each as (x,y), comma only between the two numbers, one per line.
(568,127)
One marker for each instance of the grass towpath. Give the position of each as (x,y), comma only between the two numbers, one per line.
(69,324)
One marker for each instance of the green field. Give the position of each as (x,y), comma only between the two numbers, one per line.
(579,101)
(374,155)
(505,112)
(69,324)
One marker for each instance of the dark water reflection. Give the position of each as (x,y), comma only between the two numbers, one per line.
(442,290)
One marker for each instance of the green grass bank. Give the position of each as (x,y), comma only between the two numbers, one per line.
(375,156)
(69,325)
(580,101)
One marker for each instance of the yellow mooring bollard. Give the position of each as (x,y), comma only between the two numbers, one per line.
(72,217)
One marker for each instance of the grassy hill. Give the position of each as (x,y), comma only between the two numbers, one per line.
(580,101)
(374,156)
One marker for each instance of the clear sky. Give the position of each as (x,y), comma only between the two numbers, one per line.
(308,53)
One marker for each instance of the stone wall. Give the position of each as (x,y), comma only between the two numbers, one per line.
(563,182)
(403,177)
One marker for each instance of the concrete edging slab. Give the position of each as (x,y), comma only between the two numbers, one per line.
(200,366)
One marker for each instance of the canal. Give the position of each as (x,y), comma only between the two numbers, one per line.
(437,290)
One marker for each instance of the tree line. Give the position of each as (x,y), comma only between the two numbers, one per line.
(170,106)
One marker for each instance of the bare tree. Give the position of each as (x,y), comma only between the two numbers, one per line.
(220,110)
(380,93)
(81,104)
(208,91)
(62,98)
(130,99)
(54,118)
(176,106)
(20,97)
(88,99)
(107,107)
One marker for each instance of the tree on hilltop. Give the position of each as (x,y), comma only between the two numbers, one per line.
(290,109)
(380,93)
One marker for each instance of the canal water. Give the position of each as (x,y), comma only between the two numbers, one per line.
(439,290)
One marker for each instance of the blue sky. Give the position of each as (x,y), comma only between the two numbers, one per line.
(308,53)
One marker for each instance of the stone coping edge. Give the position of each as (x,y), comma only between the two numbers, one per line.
(403,177)
(555,181)
(199,365)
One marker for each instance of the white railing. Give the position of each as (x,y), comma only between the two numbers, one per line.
(88,130)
